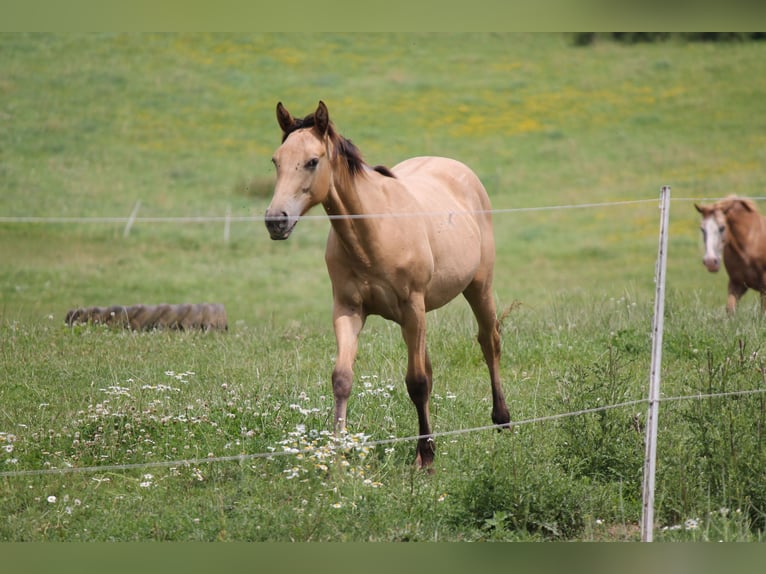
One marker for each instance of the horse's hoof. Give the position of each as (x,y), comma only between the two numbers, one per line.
(502,421)
(427,468)
(425,461)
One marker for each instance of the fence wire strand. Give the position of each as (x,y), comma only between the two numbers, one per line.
(456,432)
(228,219)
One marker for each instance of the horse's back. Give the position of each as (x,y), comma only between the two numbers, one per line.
(436,179)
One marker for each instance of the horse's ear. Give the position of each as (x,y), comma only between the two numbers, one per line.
(284,118)
(322,118)
(733,201)
(748,204)
(698,208)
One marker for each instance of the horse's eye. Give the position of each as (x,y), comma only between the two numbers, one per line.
(721,229)
(312,163)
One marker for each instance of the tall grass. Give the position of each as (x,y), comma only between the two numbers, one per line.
(98,398)
(185,123)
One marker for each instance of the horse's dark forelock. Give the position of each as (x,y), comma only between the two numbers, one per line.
(344,147)
(299,124)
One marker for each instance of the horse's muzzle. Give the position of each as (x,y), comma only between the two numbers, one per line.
(279,225)
(713,264)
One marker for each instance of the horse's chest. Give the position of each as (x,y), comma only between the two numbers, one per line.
(746,269)
(368,292)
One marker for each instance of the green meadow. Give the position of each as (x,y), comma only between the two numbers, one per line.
(109,435)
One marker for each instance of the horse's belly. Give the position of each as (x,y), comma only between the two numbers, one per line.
(384,301)
(457,255)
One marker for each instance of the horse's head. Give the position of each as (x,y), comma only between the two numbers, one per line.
(304,173)
(713,229)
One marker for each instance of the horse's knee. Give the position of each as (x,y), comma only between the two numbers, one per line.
(490,342)
(496,335)
(341,388)
(490,338)
(342,381)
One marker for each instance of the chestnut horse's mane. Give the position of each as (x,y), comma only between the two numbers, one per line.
(344,147)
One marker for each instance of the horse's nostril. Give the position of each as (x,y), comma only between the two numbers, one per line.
(278,225)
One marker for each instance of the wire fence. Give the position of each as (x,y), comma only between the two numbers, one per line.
(244,457)
(133,218)
(652,401)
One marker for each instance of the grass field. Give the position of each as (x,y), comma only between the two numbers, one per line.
(184,124)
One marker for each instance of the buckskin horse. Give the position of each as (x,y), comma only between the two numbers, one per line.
(735,232)
(402,242)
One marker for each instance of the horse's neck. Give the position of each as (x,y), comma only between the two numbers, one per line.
(344,199)
(743,231)
(353,221)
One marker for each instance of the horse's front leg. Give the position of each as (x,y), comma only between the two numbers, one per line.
(418,378)
(348,323)
(736,291)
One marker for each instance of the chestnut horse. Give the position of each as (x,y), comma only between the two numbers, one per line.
(735,232)
(402,242)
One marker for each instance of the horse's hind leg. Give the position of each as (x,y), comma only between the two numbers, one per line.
(418,378)
(479,297)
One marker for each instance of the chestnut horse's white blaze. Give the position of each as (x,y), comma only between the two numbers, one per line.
(713,227)
(428,239)
(735,234)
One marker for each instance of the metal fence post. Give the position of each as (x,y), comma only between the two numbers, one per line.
(650,460)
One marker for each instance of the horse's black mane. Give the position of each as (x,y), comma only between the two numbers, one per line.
(343,146)
(382,169)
